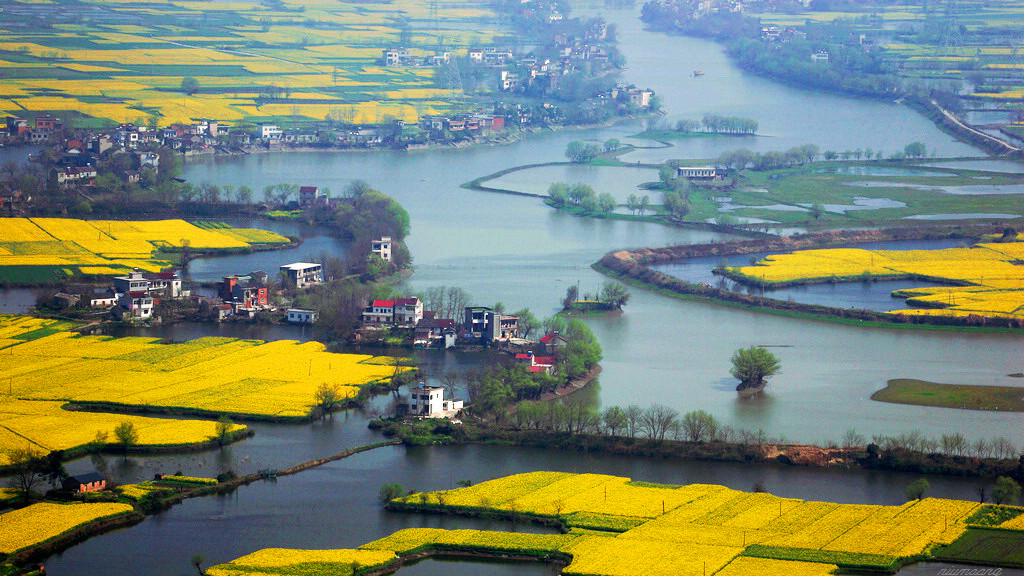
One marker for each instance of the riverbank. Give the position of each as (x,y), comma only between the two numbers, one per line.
(633,266)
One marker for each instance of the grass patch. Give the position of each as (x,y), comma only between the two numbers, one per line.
(849,560)
(965,397)
(990,515)
(985,546)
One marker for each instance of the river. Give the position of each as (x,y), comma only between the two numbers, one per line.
(519,251)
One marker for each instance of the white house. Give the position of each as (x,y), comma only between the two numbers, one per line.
(697,172)
(270,132)
(301,316)
(135,281)
(138,304)
(429,401)
(303,274)
(408,311)
(382,248)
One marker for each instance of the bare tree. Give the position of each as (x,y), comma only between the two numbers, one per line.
(633,414)
(27,469)
(657,420)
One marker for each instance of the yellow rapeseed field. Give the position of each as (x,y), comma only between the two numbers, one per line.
(992,284)
(39,522)
(39,375)
(113,247)
(678,530)
(273,560)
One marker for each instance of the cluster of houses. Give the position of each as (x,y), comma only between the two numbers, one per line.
(479,325)
(131,297)
(429,401)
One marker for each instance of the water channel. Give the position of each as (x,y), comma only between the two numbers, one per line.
(518,251)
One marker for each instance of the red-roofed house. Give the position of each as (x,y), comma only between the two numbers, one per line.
(309,197)
(379,313)
(536,364)
(553,341)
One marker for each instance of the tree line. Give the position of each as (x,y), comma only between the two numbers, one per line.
(710,124)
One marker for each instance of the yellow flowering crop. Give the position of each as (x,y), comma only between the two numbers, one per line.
(39,522)
(111,247)
(701,526)
(273,560)
(993,283)
(248,377)
(188,479)
(745,566)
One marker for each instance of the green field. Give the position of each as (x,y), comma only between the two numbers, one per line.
(984,546)
(922,393)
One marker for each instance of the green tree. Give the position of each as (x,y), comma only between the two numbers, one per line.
(752,365)
(189,85)
(126,435)
(528,323)
(611,144)
(224,426)
(558,193)
(916,489)
(915,150)
(389,492)
(614,293)
(614,420)
(606,202)
(582,351)
(572,294)
(1005,491)
(197,563)
(633,203)
(579,152)
(817,210)
(326,398)
(667,174)
(699,426)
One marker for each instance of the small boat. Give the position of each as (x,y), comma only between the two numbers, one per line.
(698,73)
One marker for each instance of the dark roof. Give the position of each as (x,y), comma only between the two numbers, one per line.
(435,323)
(87,478)
(307,189)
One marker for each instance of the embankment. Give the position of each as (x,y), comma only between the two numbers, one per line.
(633,266)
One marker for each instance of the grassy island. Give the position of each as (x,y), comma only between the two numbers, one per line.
(964,397)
